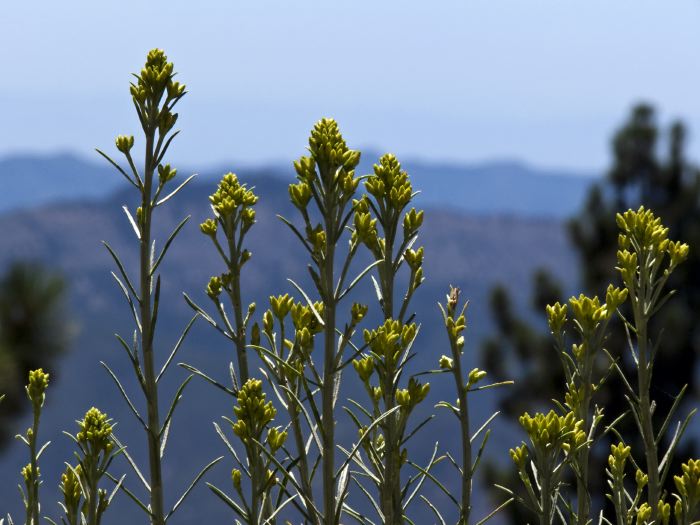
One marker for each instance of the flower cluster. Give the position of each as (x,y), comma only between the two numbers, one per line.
(36,388)
(253,412)
(95,432)
(552,432)
(391,339)
(230,199)
(153,82)
(687,505)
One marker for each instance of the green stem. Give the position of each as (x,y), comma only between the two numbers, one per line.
(650,452)
(466,489)
(307,491)
(239,336)
(91,476)
(582,493)
(545,498)
(33,497)
(147,332)
(329,378)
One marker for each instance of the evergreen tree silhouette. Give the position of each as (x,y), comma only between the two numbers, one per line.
(33,333)
(521,348)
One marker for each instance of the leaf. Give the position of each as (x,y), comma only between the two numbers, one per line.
(308,301)
(204,376)
(377,290)
(173,405)
(341,492)
(132,463)
(482,427)
(279,508)
(134,313)
(176,191)
(124,395)
(366,434)
(164,149)
(134,361)
(480,452)
(495,511)
(41,450)
(133,497)
(432,507)
(359,278)
(226,499)
(177,347)
(435,480)
(167,244)
(296,232)
(192,485)
(669,416)
(119,168)
(132,222)
(122,270)
(413,494)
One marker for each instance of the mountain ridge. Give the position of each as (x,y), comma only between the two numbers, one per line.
(492,187)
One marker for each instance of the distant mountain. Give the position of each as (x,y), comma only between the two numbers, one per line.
(487,188)
(473,252)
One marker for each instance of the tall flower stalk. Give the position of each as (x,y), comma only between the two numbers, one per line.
(234,215)
(454,319)
(646,258)
(84,502)
(36,392)
(389,232)
(590,320)
(155,94)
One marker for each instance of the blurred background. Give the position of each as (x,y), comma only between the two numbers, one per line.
(525,125)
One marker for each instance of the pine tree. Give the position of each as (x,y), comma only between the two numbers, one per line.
(640,175)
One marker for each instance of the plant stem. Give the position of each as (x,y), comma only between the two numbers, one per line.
(33,497)
(582,456)
(239,336)
(546,499)
(147,333)
(329,373)
(645,416)
(391,488)
(466,490)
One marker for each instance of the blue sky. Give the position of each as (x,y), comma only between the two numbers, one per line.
(543,81)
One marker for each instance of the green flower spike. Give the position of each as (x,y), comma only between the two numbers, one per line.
(95,432)
(687,484)
(253,412)
(36,388)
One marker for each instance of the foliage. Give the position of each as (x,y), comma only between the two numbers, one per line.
(640,175)
(288,463)
(34,332)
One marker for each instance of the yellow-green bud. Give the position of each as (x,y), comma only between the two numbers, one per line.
(403,398)
(275,438)
(364,367)
(209,227)
(475,376)
(214,287)
(36,387)
(556,317)
(641,479)
(519,456)
(281,305)
(412,221)
(124,143)
(236,478)
(166,173)
(446,362)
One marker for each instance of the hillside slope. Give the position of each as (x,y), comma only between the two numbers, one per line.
(473,252)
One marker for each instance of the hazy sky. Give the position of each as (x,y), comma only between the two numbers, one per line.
(545,81)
